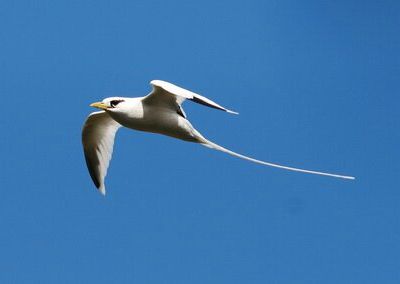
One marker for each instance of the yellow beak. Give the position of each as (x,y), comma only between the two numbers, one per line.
(99,105)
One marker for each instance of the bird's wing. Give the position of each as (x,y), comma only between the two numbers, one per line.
(98,140)
(165,93)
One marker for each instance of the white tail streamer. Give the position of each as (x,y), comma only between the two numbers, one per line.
(217,147)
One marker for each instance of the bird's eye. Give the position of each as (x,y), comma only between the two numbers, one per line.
(114,103)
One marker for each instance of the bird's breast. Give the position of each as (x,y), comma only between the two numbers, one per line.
(157,120)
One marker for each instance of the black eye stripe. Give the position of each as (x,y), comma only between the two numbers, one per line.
(114,103)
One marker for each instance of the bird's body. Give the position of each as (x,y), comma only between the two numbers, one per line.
(142,116)
(159,112)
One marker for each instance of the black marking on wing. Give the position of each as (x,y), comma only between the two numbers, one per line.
(93,166)
(199,101)
(180,112)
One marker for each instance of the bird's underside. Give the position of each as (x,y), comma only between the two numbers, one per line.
(159,112)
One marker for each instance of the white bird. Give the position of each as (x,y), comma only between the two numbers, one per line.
(159,112)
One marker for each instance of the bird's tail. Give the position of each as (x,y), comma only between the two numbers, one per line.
(214,146)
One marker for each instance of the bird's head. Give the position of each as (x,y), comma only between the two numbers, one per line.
(110,104)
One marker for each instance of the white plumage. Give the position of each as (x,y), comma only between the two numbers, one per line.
(159,112)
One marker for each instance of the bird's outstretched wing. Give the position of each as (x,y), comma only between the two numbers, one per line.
(168,94)
(98,140)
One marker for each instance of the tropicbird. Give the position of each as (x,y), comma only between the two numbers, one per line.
(159,112)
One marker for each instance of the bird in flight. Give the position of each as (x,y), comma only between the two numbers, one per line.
(159,112)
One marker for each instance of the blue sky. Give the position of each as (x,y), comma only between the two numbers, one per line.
(317,86)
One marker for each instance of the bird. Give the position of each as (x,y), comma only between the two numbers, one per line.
(159,112)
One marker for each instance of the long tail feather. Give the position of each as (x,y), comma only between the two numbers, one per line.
(214,146)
